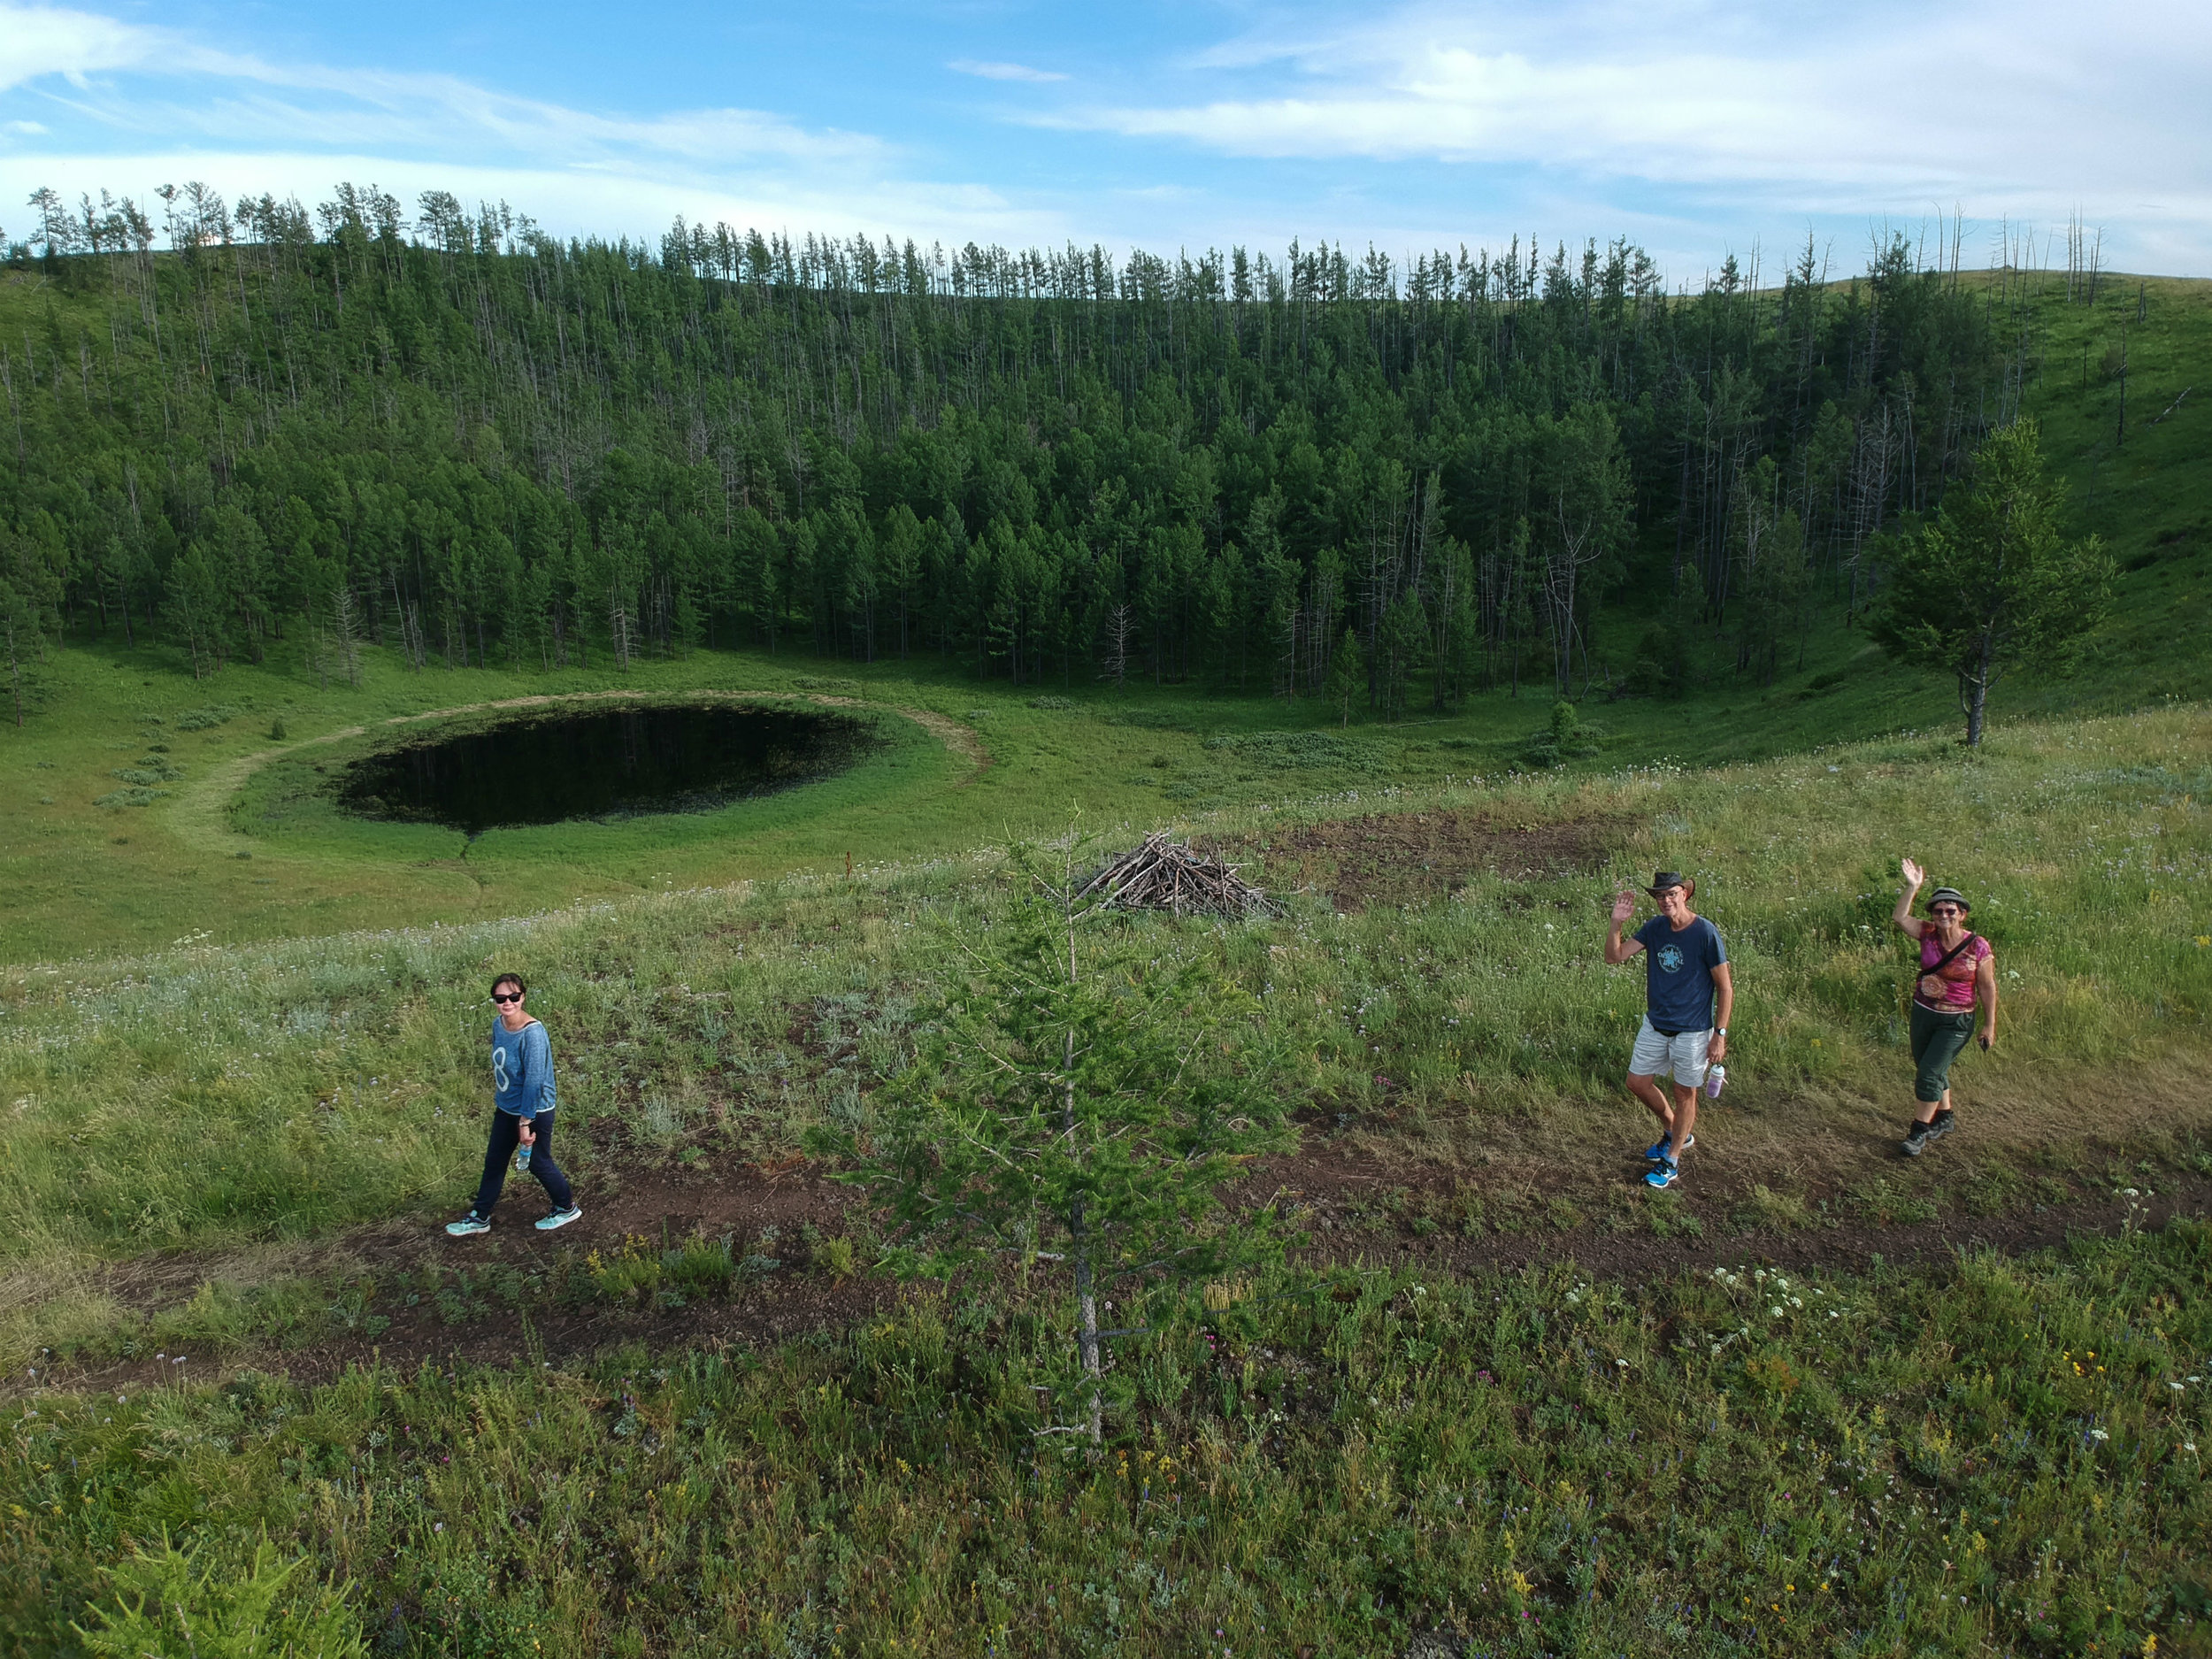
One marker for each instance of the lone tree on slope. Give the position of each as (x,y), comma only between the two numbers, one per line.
(1993,582)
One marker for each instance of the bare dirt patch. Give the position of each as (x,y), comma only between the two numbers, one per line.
(1357,1208)
(1392,858)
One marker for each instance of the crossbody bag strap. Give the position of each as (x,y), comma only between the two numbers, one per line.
(1949,957)
(1912,989)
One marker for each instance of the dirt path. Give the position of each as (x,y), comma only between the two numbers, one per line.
(1356,1207)
(196,813)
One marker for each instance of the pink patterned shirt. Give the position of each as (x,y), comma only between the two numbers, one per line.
(1952,991)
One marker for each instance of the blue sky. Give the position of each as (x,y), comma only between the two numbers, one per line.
(1693,129)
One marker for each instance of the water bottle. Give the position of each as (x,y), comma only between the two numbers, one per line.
(1715,1076)
(522,1157)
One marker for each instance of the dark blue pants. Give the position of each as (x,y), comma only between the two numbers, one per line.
(506,1133)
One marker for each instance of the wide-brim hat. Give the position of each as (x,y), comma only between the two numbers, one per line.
(1662,879)
(1951,893)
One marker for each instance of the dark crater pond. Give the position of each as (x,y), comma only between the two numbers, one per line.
(607,763)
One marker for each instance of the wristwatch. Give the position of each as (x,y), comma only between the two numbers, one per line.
(1720,1031)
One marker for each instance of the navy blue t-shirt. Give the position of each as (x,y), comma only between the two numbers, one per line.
(1678,973)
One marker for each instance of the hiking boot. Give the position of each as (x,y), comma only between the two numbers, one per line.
(1662,1149)
(560,1219)
(1943,1125)
(1916,1139)
(468,1226)
(1666,1173)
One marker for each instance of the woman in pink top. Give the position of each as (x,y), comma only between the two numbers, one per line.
(1957,970)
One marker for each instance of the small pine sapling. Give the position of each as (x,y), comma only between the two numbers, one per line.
(1079,1096)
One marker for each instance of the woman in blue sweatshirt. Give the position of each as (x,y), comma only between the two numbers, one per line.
(522,1112)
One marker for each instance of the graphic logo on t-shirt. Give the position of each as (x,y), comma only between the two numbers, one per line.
(499,1068)
(1670,958)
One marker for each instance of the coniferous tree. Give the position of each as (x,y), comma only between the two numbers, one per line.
(1075,1100)
(1992,582)
(1348,676)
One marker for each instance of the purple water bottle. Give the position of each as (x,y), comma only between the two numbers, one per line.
(1715,1076)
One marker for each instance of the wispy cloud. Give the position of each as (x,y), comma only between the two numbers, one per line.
(1696,125)
(1003,72)
(38,41)
(1872,106)
(141,105)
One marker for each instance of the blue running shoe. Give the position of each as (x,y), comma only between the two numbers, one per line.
(1661,1150)
(1665,1173)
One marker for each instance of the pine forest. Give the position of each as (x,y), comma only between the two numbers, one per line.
(465,440)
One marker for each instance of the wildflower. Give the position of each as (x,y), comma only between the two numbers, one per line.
(2099,1434)
(1816,1042)
(2203,940)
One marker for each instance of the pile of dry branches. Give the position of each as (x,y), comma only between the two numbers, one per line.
(1166,875)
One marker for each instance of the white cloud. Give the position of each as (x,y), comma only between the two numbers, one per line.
(1003,72)
(141,107)
(38,41)
(2041,104)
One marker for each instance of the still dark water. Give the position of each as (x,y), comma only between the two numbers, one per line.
(605,763)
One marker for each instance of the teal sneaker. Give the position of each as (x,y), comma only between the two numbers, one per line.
(468,1226)
(560,1218)
(1666,1173)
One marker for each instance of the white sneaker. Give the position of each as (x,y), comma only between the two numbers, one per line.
(468,1226)
(560,1218)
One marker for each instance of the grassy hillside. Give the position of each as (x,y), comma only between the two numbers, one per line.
(1438,970)
(97,863)
(217,1159)
(241,1083)
(2008,1458)
(2148,491)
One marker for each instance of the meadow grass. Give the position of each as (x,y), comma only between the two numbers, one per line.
(211,1098)
(1989,1456)
(2002,1455)
(96,862)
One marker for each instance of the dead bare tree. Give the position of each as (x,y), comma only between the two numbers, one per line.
(1116,666)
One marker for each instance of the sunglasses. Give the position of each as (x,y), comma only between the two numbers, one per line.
(509,997)
(1945,910)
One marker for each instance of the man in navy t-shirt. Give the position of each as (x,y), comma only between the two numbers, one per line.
(1686,966)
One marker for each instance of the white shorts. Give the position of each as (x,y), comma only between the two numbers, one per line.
(1684,1054)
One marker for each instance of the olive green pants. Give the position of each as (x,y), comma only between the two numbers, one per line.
(1936,1042)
